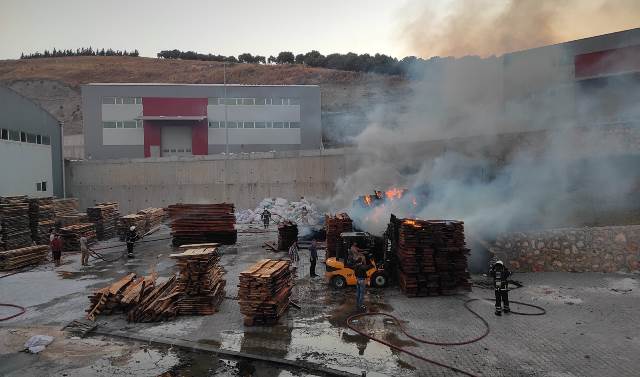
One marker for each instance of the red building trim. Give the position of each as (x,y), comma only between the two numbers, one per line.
(174,107)
(608,62)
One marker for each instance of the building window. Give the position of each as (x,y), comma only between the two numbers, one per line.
(108,124)
(232,125)
(261,124)
(278,125)
(129,100)
(14,135)
(249,125)
(46,140)
(130,124)
(23,137)
(214,124)
(108,100)
(248,101)
(294,124)
(39,186)
(139,123)
(31,138)
(260,101)
(38,139)
(44,186)
(4,134)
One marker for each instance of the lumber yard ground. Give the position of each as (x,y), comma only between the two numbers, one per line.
(591,326)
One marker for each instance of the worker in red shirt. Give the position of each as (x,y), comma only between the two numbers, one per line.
(56,249)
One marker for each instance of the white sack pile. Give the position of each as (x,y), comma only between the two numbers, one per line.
(302,212)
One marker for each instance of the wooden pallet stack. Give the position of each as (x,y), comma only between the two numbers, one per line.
(157,305)
(334,226)
(432,257)
(105,216)
(26,256)
(71,236)
(200,281)
(127,221)
(120,296)
(15,230)
(264,291)
(202,223)
(66,212)
(41,219)
(287,234)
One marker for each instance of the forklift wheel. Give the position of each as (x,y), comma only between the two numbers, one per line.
(338,282)
(379,280)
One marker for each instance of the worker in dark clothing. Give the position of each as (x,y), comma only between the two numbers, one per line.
(313,258)
(360,270)
(131,238)
(266,217)
(500,275)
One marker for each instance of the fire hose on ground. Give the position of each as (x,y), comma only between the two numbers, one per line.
(397,322)
(21,308)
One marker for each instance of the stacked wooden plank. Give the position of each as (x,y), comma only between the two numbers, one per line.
(153,217)
(200,281)
(128,221)
(201,223)
(27,256)
(71,236)
(120,296)
(105,216)
(67,213)
(432,257)
(287,235)
(41,219)
(157,305)
(334,226)
(264,291)
(15,230)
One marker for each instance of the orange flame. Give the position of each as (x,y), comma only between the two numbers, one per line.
(394,193)
(411,222)
(367,200)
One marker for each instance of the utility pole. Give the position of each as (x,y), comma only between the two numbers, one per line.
(64,183)
(226,131)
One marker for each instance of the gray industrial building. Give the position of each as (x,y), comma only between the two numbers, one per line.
(160,120)
(30,148)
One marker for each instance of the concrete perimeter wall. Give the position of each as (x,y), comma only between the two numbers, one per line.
(157,182)
(598,249)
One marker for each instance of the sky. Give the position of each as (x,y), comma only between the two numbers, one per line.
(398,28)
(220,27)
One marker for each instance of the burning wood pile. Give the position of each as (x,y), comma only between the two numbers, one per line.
(105,216)
(335,225)
(41,219)
(120,296)
(287,235)
(264,291)
(202,223)
(380,197)
(15,231)
(26,256)
(66,212)
(432,257)
(71,236)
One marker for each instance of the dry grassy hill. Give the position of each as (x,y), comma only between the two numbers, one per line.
(55,83)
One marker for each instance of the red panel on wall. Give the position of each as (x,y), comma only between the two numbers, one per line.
(157,106)
(200,138)
(152,136)
(608,62)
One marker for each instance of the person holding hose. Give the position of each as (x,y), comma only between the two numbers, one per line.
(132,237)
(360,270)
(266,217)
(313,258)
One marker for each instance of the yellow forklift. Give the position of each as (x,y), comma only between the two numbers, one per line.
(340,270)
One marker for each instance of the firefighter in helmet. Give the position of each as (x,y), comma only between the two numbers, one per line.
(131,238)
(500,275)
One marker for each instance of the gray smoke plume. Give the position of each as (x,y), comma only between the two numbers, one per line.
(490,27)
(467,151)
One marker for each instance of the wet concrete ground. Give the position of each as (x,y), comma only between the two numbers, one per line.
(590,329)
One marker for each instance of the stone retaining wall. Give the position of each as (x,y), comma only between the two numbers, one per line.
(599,249)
